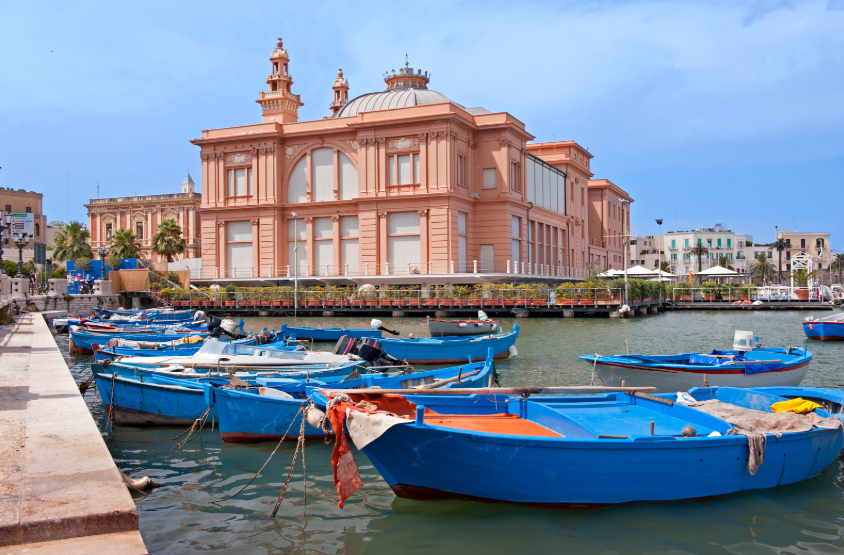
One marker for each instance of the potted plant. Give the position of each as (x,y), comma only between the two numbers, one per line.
(802,277)
(709,288)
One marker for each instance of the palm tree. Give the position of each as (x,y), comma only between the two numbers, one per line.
(779,245)
(837,264)
(665,266)
(763,267)
(724,262)
(124,244)
(700,251)
(72,242)
(168,240)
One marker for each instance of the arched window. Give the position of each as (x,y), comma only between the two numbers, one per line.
(28,209)
(8,206)
(297,186)
(37,230)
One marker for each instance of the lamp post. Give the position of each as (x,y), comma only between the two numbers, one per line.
(20,243)
(659,253)
(295,263)
(5,223)
(102,250)
(626,244)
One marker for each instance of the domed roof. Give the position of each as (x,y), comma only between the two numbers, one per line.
(279,52)
(403,97)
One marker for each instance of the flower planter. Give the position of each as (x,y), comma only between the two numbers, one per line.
(509,302)
(314,303)
(586,302)
(229,303)
(446,302)
(476,302)
(492,302)
(357,303)
(413,302)
(430,302)
(539,302)
(371,303)
(744,298)
(266,303)
(802,294)
(217,304)
(461,302)
(276,303)
(385,302)
(398,302)
(344,303)
(247,303)
(684,298)
(329,303)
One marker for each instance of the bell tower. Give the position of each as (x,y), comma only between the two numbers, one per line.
(279,104)
(341,93)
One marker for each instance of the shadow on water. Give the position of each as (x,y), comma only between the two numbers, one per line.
(180,517)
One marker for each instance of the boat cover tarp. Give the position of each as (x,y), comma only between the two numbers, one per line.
(755,424)
(748,368)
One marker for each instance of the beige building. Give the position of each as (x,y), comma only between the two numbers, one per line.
(813,243)
(24,202)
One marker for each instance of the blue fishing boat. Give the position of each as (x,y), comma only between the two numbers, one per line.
(449,350)
(759,367)
(830,328)
(583,450)
(150,315)
(145,397)
(86,342)
(832,400)
(266,413)
(186,346)
(328,334)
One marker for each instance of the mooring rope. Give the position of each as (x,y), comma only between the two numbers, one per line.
(594,363)
(198,422)
(299,444)
(267,461)
(110,413)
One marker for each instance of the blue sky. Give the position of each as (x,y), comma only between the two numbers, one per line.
(706,112)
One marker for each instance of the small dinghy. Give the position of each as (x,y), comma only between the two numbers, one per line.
(743,366)
(327,334)
(830,328)
(451,349)
(578,450)
(481,326)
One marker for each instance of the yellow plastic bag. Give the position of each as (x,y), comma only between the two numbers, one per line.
(798,406)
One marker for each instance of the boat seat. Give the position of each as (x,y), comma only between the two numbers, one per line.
(505,424)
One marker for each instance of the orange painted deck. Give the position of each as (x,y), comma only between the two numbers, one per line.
(506,424)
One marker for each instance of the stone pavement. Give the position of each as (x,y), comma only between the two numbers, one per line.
(58,480)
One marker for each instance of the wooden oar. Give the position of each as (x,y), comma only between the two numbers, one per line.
(743,362)
(525,391)
(441,383)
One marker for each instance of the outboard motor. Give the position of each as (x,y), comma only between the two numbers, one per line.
(370,350)
(379,325)
(216,328)
(345,346)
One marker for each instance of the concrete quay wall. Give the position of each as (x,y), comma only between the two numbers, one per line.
(60,491)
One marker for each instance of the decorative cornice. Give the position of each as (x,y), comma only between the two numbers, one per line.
(255,221)
(382,214)
(353,144)
(473,144)
(423,211)
(335,218)
(308,219)
(239,158)
(423,137)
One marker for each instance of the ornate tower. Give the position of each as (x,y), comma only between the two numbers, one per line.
(341,93)
(279,104)
(406,78)
(188,186)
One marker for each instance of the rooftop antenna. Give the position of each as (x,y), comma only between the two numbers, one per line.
(406,61)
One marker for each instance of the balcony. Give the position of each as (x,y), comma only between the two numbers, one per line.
(597,243)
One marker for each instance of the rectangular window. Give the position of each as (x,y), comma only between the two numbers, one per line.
(28,209)
(298,259)
(719,242)
(687,243)
(729,243)
(788,255)
(139,230)
(462,241)
(403,243)
(108,231)
(487,258)
(416,168)
(349,248)
(239,248)
(239,182)
(348,178)
(802,243)
(515,183)
(391,169)
(461,170)
(322,174)
(405,171)
(673,243)
(489,178)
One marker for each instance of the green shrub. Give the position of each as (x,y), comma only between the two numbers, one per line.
(60,273)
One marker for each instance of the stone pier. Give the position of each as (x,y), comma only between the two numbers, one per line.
(61,491)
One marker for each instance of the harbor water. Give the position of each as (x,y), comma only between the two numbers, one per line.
(188,513)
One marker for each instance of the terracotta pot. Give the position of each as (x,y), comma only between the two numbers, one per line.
(430,302)
(329,303)
(399,302)
(522,302)
(357,303)
(446,302)
(413,302)
(276,303)
(314,303)
(217,303)
(229,303)
(371,303)
(247,303)
(744,298)
(344,303)
(802,294)
(509,302)
(539,302)
(385,302)
(492,302)
(461,302)
(685,297)
(476,302)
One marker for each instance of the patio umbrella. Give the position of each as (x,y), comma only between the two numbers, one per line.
(718,271)
(639,271)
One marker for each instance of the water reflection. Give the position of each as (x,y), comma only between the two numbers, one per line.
(181,516)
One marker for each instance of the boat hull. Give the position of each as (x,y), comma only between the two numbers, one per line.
(824,331)
(329,334)
(455,351)
(673,379)
(249,418)
(431,462)
(148,404)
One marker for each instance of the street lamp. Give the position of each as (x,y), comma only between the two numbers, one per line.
(20,243)
(102,250)
(5,223)
(659,246)
(295,263)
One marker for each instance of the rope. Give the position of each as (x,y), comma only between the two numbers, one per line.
(266,463)
(198,422)
(594,363)
(110,413)
(299,444)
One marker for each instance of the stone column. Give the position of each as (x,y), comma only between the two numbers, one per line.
(20,288)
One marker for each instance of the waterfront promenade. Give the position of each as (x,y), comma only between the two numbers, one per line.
(60,491)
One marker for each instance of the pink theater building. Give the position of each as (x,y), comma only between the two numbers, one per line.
(398,186)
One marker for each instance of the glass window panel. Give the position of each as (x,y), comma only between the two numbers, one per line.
(229,182)
(489,178)
(249,181)
(349,254)
(323,255)
(552,187)
(531,172)
(240,182)
(348,178)
(301,255)
(322,169)
(239,259)
(545,199)
(461,223)
(402,223)
(323,228)
(515,248)
(487,262)
(404,169)
(299,226)
(516,226)
(349,226)
(297,186)
(392,169)
(461,253)
(239,231)
(404,251)
(416,168)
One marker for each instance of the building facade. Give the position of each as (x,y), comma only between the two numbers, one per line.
(609,224)
(399,184)
(25,202)
(142,214)
(675,248)
(812,243)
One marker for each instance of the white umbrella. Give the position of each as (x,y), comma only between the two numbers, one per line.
(640,271)
(718,271)
(611,273)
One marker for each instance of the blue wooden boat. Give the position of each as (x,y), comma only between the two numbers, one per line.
(450,350)
(832,400)
(174,348)
(85,342)
(759,367)
(328,334)
(145,397)
(265,414)
(150,315)
(830,328)
(584,450)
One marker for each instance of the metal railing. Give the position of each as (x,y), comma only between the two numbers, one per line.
(401,298)
(509,267)
(730,294)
